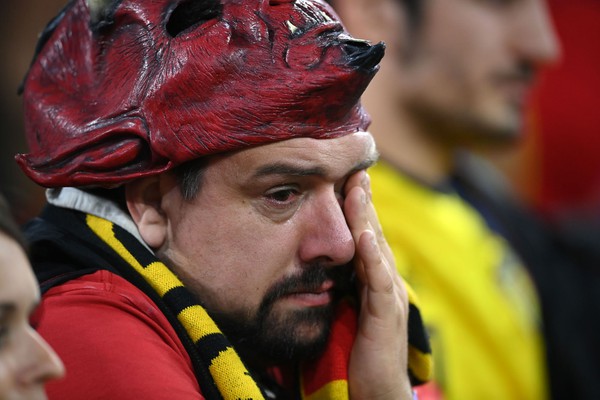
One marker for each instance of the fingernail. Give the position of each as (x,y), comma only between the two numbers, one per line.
(366,184)
(373,241)
(365,180)
(363,198)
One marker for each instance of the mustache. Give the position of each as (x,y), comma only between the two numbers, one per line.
(311,279)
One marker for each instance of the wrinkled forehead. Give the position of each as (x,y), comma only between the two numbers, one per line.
(331,158)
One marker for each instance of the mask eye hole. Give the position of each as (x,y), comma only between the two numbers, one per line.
(192,13)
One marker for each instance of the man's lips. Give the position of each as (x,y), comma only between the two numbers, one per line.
(311,297)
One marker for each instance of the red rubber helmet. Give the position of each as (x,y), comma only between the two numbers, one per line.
(121,89)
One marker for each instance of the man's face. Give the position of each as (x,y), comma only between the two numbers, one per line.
(473,64)
(265,245)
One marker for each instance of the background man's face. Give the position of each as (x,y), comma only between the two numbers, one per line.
(473,64)
(265,245)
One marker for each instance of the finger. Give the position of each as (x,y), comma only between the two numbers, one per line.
(373,219)
(355,211)
(358,223)
(384,306)
(363,180)
(379,278)
(384,247)
(361,216)
(355,180)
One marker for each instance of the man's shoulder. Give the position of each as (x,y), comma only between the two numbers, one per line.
(104,318)
(106,298)
(101,283)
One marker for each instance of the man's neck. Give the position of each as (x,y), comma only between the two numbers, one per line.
(406,147)
(401,141)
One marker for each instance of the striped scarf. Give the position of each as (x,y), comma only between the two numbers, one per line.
(220,372)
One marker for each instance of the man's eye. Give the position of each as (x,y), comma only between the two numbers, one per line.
(282,195)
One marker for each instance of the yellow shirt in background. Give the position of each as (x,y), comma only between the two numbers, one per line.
(475,296)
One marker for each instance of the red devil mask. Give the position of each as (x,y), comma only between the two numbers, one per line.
(132,88)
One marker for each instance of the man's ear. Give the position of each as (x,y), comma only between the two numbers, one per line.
(144,202)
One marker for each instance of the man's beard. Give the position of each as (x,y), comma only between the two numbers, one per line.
(271,337)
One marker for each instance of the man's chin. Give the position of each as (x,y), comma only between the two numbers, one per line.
(294,318)
(296,335)
(280,336)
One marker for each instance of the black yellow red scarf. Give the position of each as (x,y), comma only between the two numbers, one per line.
(219,369)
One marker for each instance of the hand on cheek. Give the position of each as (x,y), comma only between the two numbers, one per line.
(378,364)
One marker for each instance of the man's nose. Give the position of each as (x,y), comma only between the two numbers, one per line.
(326,235)
(533,35)
(43,364)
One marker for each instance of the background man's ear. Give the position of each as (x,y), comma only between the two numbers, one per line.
(144,202)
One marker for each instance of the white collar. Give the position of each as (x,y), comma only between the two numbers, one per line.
(76,199)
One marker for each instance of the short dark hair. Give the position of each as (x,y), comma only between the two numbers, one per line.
(190,177)
(8,226)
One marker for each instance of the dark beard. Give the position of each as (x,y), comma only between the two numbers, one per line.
(269,337)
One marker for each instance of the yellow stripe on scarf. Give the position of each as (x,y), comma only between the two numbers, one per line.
(420,363)
(229,373)
(231,377)
(335,390)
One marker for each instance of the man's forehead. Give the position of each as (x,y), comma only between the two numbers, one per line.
(308,156)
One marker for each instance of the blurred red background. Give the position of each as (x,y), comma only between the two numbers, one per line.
(558,167)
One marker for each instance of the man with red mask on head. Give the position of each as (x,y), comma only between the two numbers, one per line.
(209,232)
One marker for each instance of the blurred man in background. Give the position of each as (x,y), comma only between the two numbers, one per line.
(456,77)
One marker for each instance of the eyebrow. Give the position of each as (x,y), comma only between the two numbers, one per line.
(282,168)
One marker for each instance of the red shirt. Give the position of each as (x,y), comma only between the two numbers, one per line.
(115,343)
